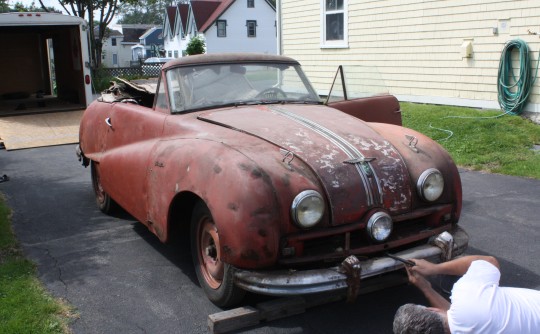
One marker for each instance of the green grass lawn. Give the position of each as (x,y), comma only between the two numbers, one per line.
(478,140)
(25,307)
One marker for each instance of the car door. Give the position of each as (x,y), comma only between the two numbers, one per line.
(360,92)
(133,132)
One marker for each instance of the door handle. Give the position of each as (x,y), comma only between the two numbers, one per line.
(108,121)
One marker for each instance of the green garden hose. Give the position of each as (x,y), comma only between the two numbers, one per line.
(513,91)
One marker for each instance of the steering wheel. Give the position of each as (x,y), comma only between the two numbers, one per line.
(272,93)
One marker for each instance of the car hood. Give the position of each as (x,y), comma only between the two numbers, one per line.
(358,169)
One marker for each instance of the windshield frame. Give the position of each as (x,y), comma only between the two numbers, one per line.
(180,87)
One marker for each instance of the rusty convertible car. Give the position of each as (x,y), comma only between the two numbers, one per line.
(279,191)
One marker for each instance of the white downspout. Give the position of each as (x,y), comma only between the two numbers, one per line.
(278,22)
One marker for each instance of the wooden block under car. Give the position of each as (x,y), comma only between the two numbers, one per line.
(282,307)
(230,320)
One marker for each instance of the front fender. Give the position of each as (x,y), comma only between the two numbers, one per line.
(420,153)
(239,194)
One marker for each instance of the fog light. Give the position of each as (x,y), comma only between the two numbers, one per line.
(379,226)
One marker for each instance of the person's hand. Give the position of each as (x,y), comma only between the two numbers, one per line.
(417,279)
(424,268)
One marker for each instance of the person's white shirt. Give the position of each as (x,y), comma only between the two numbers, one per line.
(479,305)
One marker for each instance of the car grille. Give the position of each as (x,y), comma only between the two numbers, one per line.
(326,246)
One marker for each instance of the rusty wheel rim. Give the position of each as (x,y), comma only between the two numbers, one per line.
(208,251)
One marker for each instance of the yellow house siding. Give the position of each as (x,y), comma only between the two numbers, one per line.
(416,45)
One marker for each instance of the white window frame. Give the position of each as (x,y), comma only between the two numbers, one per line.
(334,44)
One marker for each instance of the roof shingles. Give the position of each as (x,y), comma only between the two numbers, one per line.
(202,10)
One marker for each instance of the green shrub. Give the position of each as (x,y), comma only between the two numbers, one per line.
(195,46)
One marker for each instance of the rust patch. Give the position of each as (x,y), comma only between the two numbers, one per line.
(286,179)
(256,173)
(243,166)
(233,206)
(217,169)
(227,250)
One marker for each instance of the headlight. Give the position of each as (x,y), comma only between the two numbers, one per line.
(307,208)
(430,185)
(379,226)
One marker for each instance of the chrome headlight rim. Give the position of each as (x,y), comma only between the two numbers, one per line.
(374,226)
(306,200)
(430,185)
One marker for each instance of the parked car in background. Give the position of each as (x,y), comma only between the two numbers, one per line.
(277,191)
(152,66)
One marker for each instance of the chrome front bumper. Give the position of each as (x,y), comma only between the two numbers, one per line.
(293,282)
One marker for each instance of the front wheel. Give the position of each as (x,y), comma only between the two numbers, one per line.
(104,202)
(215,277)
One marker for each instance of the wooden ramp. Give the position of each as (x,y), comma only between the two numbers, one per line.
(38,130)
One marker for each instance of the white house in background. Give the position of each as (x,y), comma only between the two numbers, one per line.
(174,30)
(241,26)
(135,42)
(226,26)
(443,52)
(114,53)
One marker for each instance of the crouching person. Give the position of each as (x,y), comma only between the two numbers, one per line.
(478,303)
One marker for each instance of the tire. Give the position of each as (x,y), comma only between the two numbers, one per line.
(104,202)
(215,277)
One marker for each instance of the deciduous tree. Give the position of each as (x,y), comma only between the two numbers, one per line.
(144,11)
(20,7)
(100,11)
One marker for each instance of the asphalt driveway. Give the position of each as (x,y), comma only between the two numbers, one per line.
(121,279)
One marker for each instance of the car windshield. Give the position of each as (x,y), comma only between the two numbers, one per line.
(209,86)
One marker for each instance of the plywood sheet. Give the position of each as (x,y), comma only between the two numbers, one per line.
(18,132)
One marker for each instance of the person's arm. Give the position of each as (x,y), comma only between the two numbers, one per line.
(457,266)
(434,298)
